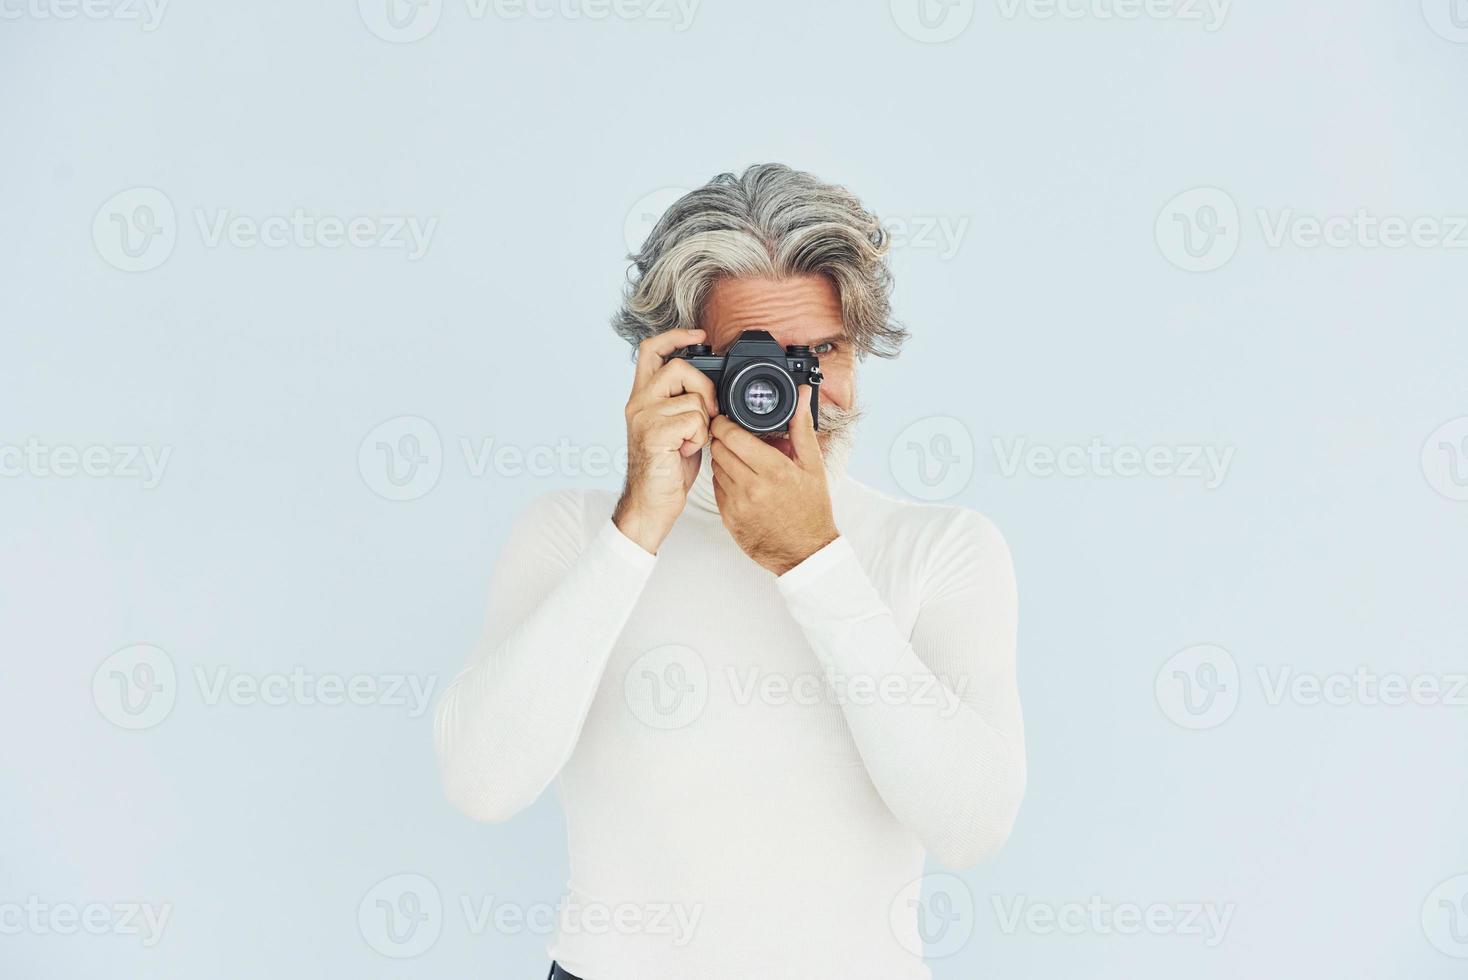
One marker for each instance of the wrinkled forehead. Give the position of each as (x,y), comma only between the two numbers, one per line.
(797,310)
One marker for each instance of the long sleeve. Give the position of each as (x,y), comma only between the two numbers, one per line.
(561,593)
(939,727)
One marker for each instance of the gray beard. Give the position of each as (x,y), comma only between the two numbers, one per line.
(839,428)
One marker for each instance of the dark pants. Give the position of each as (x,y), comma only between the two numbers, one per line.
(557,973)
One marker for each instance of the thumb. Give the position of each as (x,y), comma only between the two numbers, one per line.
(803,432)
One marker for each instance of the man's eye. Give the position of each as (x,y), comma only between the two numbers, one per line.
(821,350)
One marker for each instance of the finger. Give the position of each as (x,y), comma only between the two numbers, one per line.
(758,454)
(736,469)
(652,351)
(678,376)
(725,489)
(689,404)
(679,404)
(803,432)
(676,432)
(722,488)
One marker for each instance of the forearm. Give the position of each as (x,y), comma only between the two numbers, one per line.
(507,724)
(945,750)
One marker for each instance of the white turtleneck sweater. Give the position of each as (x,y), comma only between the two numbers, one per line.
(752,766)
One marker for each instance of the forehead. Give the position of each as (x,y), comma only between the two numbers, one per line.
(797,310)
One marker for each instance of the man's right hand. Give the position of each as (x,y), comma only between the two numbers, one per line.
(668,417)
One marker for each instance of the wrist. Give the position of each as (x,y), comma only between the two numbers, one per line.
(635,525)
(780,564)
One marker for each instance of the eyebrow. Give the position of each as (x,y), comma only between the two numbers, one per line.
(723,349)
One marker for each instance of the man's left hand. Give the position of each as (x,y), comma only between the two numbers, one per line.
(778,509)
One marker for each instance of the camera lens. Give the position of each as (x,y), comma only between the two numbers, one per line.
(760,397)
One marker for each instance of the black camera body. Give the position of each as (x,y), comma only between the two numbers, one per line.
(758,380)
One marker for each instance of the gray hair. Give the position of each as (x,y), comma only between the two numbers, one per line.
(769,222)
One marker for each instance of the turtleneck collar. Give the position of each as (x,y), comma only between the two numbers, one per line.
(701,494)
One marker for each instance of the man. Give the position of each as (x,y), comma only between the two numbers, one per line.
(766,690)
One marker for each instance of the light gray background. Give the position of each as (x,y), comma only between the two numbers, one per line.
(1060,317)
